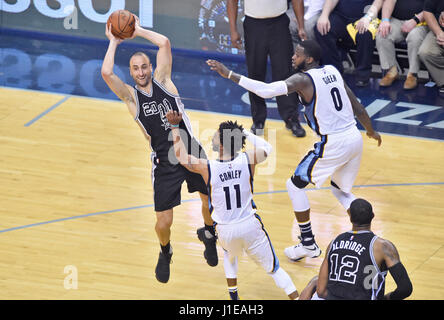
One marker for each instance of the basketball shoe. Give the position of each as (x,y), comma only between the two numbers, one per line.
(300,251)
(163,267)
(209,241)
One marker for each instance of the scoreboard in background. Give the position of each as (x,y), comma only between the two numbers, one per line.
(66,8)
(190,24)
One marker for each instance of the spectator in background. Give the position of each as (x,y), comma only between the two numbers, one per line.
(267,34)
(332,28)
(431,51)
(303,19)
(401,20)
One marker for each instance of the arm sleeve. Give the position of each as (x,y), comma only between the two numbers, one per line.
(404,285)
(262,89)
(258,142)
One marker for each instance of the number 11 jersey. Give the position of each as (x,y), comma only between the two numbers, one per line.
(230,190)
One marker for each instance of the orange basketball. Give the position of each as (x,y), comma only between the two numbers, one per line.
(122,23)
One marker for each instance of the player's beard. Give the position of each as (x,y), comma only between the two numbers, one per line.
(301,67)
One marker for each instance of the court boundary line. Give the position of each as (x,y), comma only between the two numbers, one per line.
(36,118)
(198,199)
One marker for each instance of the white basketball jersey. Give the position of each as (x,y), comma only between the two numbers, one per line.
(231,190)
(330,111)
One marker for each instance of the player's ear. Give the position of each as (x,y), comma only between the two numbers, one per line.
(348,212)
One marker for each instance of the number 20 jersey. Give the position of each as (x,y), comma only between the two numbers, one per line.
(330,110)
(230,190)
(353,273)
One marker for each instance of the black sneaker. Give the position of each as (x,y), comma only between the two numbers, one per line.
(295,128)
(258,128)
(163,267)
(209,241)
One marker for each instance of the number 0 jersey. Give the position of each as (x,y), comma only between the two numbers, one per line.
(330,110)
(353,273)
(230,190)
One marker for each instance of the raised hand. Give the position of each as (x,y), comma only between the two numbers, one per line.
(110,35)
(219,67)
(137,27)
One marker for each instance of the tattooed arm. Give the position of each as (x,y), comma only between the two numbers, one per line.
(397,270)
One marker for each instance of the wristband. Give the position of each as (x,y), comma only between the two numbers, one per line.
(229,74)
(416,19)
(174,125)
(385,20)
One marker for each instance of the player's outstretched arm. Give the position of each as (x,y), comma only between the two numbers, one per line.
(262,89)
(397,270)
(164,58)
(111,79)
(190,162)
(363,116)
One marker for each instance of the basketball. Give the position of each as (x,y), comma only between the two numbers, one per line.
(122,23)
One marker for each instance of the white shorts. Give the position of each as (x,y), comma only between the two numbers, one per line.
(337,156)
(249,236)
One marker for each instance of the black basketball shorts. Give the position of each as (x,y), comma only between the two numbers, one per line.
(167,182)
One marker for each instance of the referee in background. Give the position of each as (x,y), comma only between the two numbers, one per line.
(267,34)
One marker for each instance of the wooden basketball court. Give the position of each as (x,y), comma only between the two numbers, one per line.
(76,199)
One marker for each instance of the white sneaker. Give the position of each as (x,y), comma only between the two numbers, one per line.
(300,251)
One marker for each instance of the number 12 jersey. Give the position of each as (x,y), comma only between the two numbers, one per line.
(353,273)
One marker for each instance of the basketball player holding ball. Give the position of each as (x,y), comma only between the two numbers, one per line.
(153,95)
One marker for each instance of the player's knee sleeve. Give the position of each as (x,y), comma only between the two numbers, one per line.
(230,266)
(298,197)
(298,182)
(343,197)
(283,281)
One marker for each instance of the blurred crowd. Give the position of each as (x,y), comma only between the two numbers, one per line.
(353,36)
(363,25)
